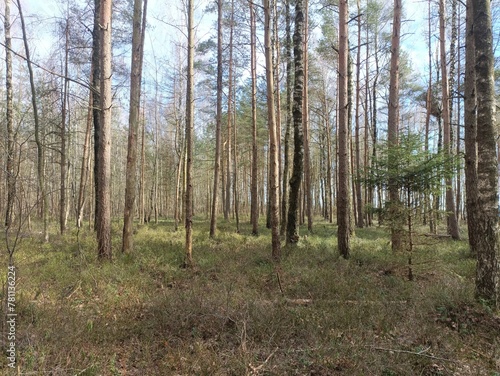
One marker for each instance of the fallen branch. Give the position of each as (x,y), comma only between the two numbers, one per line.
(255,370)
(417,353)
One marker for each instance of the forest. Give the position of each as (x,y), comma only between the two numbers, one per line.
(229,187)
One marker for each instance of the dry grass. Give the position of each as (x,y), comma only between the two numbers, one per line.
(143,315)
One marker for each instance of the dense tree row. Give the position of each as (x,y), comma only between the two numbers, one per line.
(284,110)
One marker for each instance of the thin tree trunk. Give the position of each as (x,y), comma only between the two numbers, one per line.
(273,142)
(292,231)
(359,200)
(96,105)
(38,139)
(133,121)
(218,120)
(450,196)
(11,177)
(343,199)
(229,140)
(254,200)
(84,170)
(188,261)
(104,147)
(63,166)
(305,125)
(286,145)
(393,128)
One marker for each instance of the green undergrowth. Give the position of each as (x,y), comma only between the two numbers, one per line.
(235,313)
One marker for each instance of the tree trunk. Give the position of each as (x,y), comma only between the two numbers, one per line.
(104,147)
(470,130)
(254,200)
(63,166)
(450,196)
(38,139)
(343,198)
(359,200)
(229,140)
(486,217)
(286,144)
(96,102)
(188,261)
(393,129)
(273,142)
(292,235)
(305,124)
(218,120)
(133,123)
(11,177)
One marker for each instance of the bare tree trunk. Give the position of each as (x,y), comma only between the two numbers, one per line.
(11,177)
(38,140)
(218,120)
(486,217)
(104,147)
(188,261)
(96,102)
(273,142)
(142,181)
(343,199)
(470,131)
(450,199)
(305,125)
(292,231)
(133,121)
(84,170)
(229,141)
(286,144)
(393,128)
(359,200)
(63,166)
(254,201)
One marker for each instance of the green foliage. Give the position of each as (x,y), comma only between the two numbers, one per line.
(143,314)
(412,168)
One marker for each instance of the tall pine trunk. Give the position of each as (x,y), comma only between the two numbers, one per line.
(486,217)
(292,232)
(343,197)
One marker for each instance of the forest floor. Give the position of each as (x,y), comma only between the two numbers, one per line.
(142,314)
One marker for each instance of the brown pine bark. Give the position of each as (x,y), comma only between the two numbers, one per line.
(450,196)
(229,139)
(343,197)
(393,128)
(133,123)
(273,142)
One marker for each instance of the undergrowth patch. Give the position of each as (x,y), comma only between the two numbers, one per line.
(236,314)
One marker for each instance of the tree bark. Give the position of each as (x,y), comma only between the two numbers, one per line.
(38,138)
(273,142)
(218,120)
(450,196)
(343,198)
(470,130)
(393,128)
(188,261)
(486,217)
(104,148)
(9,115)
(292,235)
(133,123)
(359,199)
